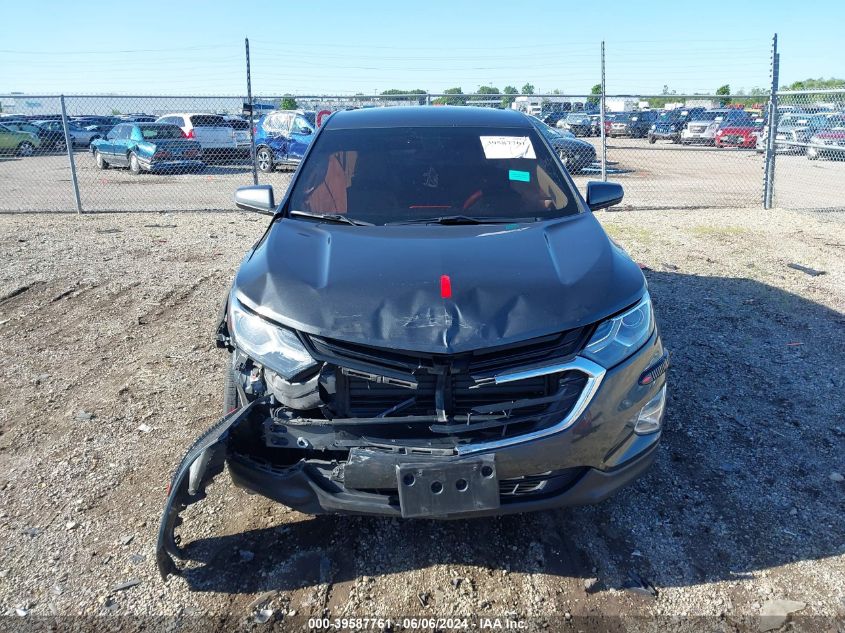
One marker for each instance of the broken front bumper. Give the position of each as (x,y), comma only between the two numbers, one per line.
(584,462)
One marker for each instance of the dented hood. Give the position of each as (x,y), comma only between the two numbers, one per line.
(381,285)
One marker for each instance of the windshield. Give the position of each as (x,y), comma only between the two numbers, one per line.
(311,117)
(208,120)
(402,174)
(671,115)
(710,115)
(161,131)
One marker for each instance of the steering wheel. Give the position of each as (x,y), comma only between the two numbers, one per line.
(473,198)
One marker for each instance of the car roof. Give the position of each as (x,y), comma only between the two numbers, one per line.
(426,116)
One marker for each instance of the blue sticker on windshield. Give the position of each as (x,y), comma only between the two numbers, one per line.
(521,176)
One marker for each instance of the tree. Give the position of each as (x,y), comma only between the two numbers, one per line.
(288,103)
(398,91)
(595,90)
(115,112)
(484,90)
(528,89)
(724,90)
(816,84)
(449,99)
(507,102)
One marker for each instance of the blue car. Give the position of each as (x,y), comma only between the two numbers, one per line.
(281,138)
(155,147)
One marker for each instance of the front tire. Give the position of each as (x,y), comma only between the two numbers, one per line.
(25,149)
(651,139)
(134,164)
(101,162)
(264,160)
(60,145)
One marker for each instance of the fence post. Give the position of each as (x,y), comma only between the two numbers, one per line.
(771,153)
(69,147)
(601,120)
(251,116)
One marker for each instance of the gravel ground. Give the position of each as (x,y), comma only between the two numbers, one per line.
(110,373)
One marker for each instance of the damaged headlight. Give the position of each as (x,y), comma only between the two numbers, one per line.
(617,338)
(274,347)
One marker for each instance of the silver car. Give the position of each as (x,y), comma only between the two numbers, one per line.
(79,136)
(704,127)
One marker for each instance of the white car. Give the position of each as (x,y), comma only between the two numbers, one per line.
(211,131)
(241,128)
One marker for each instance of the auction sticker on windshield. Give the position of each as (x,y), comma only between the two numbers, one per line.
(507,147)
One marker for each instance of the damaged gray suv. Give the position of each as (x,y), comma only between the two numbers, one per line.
(433,325)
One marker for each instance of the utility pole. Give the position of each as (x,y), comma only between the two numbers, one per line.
(601,120)
(251,116)
(771,153)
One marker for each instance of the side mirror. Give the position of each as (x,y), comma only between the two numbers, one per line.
(601,195)
(306,131)
(258,198)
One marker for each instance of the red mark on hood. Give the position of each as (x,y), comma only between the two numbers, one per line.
(445,286)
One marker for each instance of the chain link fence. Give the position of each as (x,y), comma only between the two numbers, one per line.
(151,153)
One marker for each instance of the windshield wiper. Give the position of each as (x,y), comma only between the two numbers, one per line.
(455,219)
(337,218)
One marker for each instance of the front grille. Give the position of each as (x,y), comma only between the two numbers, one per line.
(543,350)
(438,396)
(697,129)
(462,399)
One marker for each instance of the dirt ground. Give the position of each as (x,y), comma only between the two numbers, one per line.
(109,373)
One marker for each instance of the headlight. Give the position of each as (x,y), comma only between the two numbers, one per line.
(277,348)
(617,338)
(653,126)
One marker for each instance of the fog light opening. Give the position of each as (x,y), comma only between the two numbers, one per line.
(651,415)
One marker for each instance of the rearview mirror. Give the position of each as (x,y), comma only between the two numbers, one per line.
(258,198)
(601,195)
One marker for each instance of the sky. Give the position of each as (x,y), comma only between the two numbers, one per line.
(193,47)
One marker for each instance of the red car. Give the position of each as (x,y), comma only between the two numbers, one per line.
(744,136)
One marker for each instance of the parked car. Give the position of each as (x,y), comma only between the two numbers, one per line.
(241,128)
(434,325)
(18,143)
(211,131)
(633,124)
(742,136)
(827,144)
(552,118)
(281,138)
(669,124)
(578,123)
(79,136)
(51,140)
(796,129)
(703,128)
(155,147)
(573,153)
(595,124)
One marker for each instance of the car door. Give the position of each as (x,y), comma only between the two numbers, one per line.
(300,137)
(106,146)
(8,140)
(118,150)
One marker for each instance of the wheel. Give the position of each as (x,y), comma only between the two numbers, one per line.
(134,165)
(231,398)
(264,158)
(564,158)
(101,162)
(60,145)
(651,139)
(25,149)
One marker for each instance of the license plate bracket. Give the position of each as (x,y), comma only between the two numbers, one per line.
(428,490)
